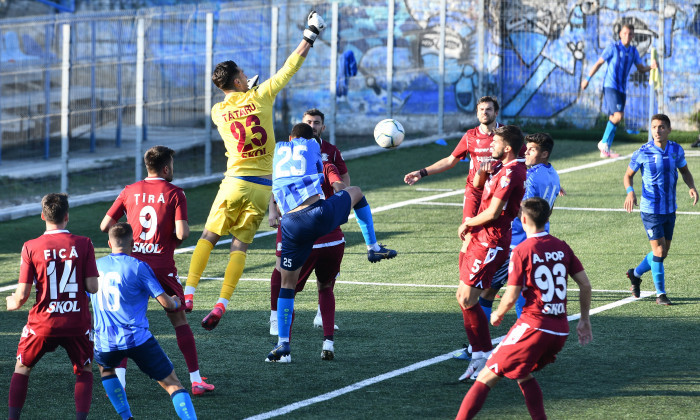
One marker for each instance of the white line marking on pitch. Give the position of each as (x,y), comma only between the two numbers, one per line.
(437,203)
(410,368)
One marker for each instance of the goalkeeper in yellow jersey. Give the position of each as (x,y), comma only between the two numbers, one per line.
(244,120)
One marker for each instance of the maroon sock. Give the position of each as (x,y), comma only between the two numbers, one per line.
(18,394)
(533,399)
(275,285)
(473,339)
(83,393)
(326,301)
(185,341)
(473,401)
(480,328)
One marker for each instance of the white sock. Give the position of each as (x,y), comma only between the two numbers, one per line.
(273,315)
(195,376)
(121,374)
(189,290)
(223,301)
(281,340)
(373,247)
(318,312)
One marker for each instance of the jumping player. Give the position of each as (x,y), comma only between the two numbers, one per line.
(539,267)
(325,259)
(245,123)
(620,56)
(63,267)
(157,213)
(306,217)
(375,251)
(503,181)
(121,326)
(660,160)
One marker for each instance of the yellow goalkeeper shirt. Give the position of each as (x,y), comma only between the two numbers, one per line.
(244,121)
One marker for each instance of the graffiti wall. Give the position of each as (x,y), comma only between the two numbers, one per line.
(536,54)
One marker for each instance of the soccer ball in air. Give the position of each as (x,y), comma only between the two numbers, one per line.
(388,133)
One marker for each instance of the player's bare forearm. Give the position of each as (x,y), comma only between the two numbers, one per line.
(690,182)
(303,48)
(170,303)
(507,302)
(273,213)
(440,166)
(596,66)
(19,297)
(585,334)
(631,197)
(107,223)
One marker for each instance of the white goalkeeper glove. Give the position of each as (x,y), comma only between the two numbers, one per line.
(314,26)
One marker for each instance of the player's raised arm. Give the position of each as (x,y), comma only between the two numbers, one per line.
(596,66)
(631,198)
(441,165)
(585,333)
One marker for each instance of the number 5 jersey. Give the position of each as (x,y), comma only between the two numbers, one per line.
(58,263)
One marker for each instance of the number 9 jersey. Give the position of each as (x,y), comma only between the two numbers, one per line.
(245,123)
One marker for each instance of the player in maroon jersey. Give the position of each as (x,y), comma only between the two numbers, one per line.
(325,260)
(476,144)
(157,212)
(63,267)
(539,267)
(503,182)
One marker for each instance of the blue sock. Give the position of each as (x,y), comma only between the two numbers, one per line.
(609,134)
(486,305)
(657,273)
(285,309)
(519,305)
(363,214)
(183,404)
(116,395)
(645,265)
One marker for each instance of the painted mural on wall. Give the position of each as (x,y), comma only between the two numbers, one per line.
(536,55)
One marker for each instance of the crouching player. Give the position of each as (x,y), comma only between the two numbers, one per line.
(121,326)
(539,267)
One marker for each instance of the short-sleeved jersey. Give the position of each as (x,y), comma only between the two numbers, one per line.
(331,154)
(542,181)
(541,265)
(659,176)
(507,184)
(245,123)
(620,60)
(121,302)
(152,206)
(297,173)
(477,146)
(58,263)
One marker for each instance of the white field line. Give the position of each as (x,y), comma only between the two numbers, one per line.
(410,368)
(437,203)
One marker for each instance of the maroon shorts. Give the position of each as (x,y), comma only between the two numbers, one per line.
(168,279)
(524,350)
(33,347)
(472,201)
(480,263)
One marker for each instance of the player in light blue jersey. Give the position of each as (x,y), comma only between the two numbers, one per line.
(121,326)
(296,191)
(620,56)
(660,160)
(542,181)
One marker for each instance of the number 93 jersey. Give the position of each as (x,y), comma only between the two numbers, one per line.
(58,263)
(541,265)
(152,206)
(297,173)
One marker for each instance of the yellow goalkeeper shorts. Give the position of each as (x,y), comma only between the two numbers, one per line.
(238,209)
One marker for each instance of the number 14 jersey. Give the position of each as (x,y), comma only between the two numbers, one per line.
(58,262)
